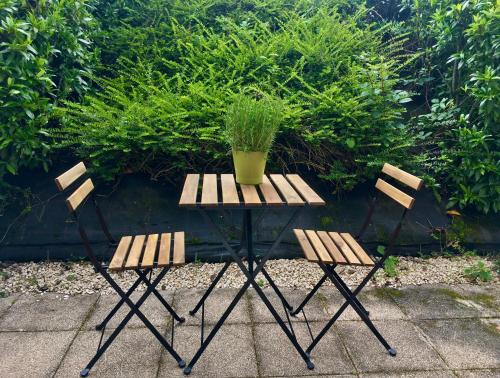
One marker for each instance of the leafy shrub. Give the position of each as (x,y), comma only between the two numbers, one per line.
(459,78)
(251,124)
(337,75)
(44,51)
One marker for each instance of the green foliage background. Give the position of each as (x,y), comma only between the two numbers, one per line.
(412,82)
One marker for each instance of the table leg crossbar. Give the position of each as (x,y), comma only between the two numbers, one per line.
(250,274)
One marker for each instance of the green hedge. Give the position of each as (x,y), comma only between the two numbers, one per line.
(162,110)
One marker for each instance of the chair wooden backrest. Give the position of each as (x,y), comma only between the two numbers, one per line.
(395,194)
(79,196)
(403,177)
(68,178)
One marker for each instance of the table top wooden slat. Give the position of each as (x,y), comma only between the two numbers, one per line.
(209,195)
(286,190)
(270,193)
(190,190)
(275,190)
(311,197)
(250,195)
(229,192)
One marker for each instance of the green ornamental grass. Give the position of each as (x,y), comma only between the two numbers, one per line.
(252,124)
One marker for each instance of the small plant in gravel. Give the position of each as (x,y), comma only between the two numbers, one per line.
(71,277)
(3,294)
(260,282)
(479,272)
(390,264)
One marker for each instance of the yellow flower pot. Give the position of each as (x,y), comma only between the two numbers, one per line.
(249,166)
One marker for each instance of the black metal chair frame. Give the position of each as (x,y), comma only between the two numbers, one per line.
(125,296)
(351,296)
(250,273)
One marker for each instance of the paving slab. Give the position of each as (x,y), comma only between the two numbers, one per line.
(378,301)
(28,354)
(5,303)
(134,353)
(278,357)
(484,297)
(413,351)
(230,354)
(465,343)
(412,374)
(151,308)
(47,312)
(215,305)
(478,373)
(316,309)
(434,302)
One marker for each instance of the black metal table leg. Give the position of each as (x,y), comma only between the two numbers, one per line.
(250,281)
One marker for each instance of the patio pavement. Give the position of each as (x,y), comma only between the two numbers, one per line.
(438,331)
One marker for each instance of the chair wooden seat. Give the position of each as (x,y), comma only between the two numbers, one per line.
(332,248)
(149,251)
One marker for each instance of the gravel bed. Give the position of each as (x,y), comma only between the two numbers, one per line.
(72,278)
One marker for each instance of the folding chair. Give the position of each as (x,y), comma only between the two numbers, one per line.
(140,253)
(329,249)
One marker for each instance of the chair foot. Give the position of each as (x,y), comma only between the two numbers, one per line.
(310,365)
(182,319)
(392,352)
(181,364)
(187,371)
(84,372)
(192,313)
(99,327)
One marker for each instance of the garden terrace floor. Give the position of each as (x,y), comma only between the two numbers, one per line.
(438,331)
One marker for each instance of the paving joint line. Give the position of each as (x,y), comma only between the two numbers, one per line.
(87,317)
(248,298)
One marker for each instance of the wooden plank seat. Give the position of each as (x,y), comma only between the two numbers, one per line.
(149,251)
(332,248)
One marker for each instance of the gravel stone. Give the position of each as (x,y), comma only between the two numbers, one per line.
(71,278)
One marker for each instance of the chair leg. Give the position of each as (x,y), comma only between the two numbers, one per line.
(120,303)
(276,290)
(310,295)
(134,309)
(348,295)
(165,304)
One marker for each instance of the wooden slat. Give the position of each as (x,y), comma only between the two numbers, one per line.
(135,252)
(190,190)
(250,195)
(331,247)
(120,253)
(346,251)
(79,195)
(148,259)
(270,194)
(358,250)
(70,176)
(311,197)
(404,177)
(319,247)
(164,252)
(305,245)
(209,195)
(286,190)
(178,258)
(394,193)
(229,192)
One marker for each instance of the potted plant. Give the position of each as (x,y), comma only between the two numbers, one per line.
(251,125)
